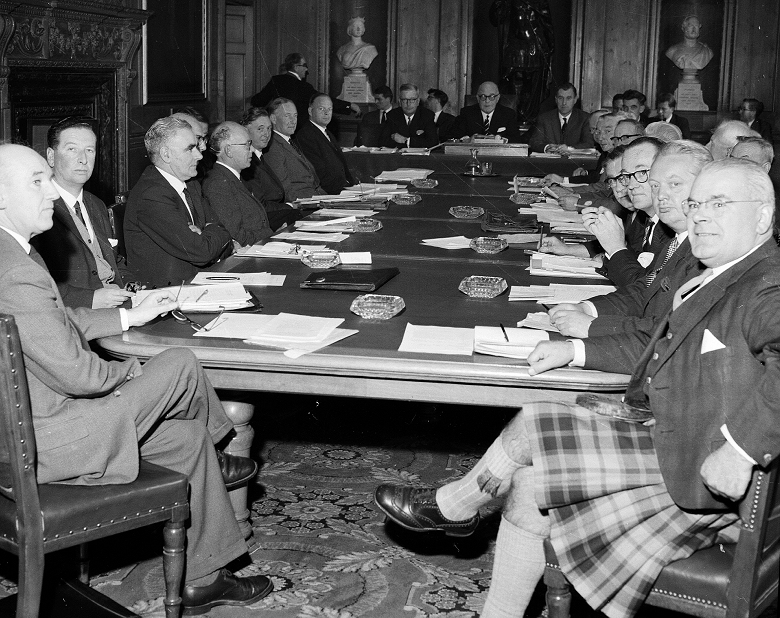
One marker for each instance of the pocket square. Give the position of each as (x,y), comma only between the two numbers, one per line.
(645,258)
(710,343)
(113,242)
(500,129)
(420,131)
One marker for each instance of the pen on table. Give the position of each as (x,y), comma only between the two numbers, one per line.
(179,292)
(503,330)
(201,295)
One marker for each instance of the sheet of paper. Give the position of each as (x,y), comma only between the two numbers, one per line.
(230,295)
(404,174)
(557,293)
(355,257)
(299,348)
(490,340)
(451,242)
(540,272)
(325,222)
(437,340)
(264,278)
(415,151)
(284,250)
(235,325)
(538,321)
(315,236)
(298,328)
(520,239)
(343,212)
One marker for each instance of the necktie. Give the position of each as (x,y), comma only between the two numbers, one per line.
(79,214)
(408,119)
(296,147)
(648,234)
(563,129)
(190,205)
(687,288)
(652,275)
(382,117)
(486,125)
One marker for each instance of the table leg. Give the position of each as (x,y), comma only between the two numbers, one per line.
(240,412)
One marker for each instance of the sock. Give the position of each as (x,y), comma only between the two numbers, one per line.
(203,581)
(517,568)
(488,479)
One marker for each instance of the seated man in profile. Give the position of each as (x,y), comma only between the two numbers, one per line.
(620,500)
(436,102)
(754,149)
(239,211)
(563,128)
(200,127)
(79,247)
(725,137)
(171,230)
(487,117)
(409,126)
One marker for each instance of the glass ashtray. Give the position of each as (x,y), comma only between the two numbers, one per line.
(525,198)
(477,286)
(406,199)
(425,183)
(327,258)
(377,306)
(488,244)
(467,212)
(366,224)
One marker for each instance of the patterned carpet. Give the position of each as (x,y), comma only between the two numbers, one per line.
(319,535)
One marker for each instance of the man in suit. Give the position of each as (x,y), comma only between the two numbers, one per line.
(409,126)
(321,147)
(79,247)
(170,229)
(291,84)
(487,117)
(750,113)
(95,419)
(370,128)
(754,149)
(239,211)
(626,131)
(725,137)
(285,158)
(666,106)
(200,127)
(436,102)
(625,498)
(564,128)
(259,178)
(634,104)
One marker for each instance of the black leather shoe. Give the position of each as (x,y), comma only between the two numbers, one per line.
(236,470)
(416,509)
(227,589)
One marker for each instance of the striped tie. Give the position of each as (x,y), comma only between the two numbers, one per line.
(687,288)
(486,125)
(652,274)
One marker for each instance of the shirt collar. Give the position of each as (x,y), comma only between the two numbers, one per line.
(69,199)
(561,117)
(298,77)
(286,138)
(257,153)
(681,237)
(19,238)
(324,131)
(724,267)
(178,185)
(235,173)
(436,115)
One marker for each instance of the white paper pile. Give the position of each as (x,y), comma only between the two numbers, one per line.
(263,278)
(548,265)
(490,340)
(343,212)
(450,242)
(404,174)
(416,151)
(284,250)
(315,236)
(557,293)
(205,299)
(340,224)
(437,340)
(519,239)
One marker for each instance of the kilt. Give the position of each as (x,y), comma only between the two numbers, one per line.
(613,524)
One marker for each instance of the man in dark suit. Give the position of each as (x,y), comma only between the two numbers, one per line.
(321,147)
(708,377)
(666,106)
(436,102)
(259,178)
(755,149)
(409,126)
(291,84)
(634,104)
(170,229)
(487,117)
(564,127)
(239,211)
(94,419)
(750,113)
(370,127)
(79,247)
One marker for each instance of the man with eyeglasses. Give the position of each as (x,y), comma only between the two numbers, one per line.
(725,137)
(754,149)
(200,127)
(750,113)
(487,117)
(321,147)
(563,128)
(240,212)
(409,126)
(626,131)
(291,84)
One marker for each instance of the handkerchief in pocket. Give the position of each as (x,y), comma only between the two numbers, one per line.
(645,258)
(501,129)
(113,242)
(710,343)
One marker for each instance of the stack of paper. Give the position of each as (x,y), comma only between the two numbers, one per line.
(284,250)
(316,199)
(519,239)
(371,188)
(490,340)
(334,237)
(205,299)
(557,293)
(451,242)
(437,340)
(340,224)
(264,278)
(547,265)
(560,220)
(343,212)
(404,174)
(538,321)
(416,151)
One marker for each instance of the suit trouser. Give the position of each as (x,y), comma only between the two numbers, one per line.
(178,419)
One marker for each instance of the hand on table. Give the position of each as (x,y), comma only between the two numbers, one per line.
(398,138)
(564,307)
(606,227)
(572,323)
(552,179)
(158,302)
(109,297)
(195,228)
(550,355)
(727,473)
(551,244)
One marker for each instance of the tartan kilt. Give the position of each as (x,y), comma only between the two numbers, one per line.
(613,524)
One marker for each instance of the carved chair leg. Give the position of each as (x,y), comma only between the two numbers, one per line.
(84,563)
(31,563)
(174,537)
(558,594)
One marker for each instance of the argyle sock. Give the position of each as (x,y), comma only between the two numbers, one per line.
(488,479)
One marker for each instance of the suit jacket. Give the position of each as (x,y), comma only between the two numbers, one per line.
(764,128)
(261,181)
(623,268)
(369,129)
(503,122)
(325,155)
(298,91)
(81,432)
(713,361)
(547,130)
(682,124)
(70,260)
(239,211)
(444,126)
(161,248)
(421,129)
(636,307)
(294,171)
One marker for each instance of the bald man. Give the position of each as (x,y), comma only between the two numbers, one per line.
(487,117)
(725,137)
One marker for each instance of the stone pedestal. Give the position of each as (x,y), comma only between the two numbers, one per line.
(356,88)
(240,412)
(689,97)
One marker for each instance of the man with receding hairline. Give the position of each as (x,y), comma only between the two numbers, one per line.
(725,137)
(487,117)
(409,126)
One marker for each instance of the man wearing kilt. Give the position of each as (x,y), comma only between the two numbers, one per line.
(624,488)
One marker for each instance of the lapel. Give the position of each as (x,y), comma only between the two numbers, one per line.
(556,127)
(63,214)
(270,173)
(199,214)
(100,233)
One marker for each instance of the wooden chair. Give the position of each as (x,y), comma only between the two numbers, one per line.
(735,580)
(38,519)
(116,215)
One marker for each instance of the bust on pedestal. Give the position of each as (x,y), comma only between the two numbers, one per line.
(356,56)
(691,56)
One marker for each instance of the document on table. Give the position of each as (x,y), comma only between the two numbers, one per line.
(520,239)
(450,242)
(539,321)
(341,224)
(317,236)
(416,151)
(298,328)
(404,174)
(264,278)
(437,340)
(284,250)
(557,293)
(490,340)
(548,265)
(355,257)
(343,212)
(231,295)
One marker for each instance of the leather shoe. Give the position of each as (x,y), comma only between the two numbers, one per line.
(236,470)
(416,509)
(227,589)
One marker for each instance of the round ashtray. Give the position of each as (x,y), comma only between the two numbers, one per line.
(366,224)
(467,212)
(477,286)
(425,183)
(488,244)
(406,199)
(524,198)
(326,258)
(377,306)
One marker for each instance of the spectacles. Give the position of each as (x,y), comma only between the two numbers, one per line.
(410,100)
(623,138)
(612,181)
(306,66)
(198,328)
(244,144)
(488,97)
(640,176)
(745,109)
(717,207)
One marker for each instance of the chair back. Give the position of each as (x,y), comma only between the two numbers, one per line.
(116,215)
(507,100)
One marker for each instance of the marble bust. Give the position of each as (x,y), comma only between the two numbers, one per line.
(690,53)
(357,55)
